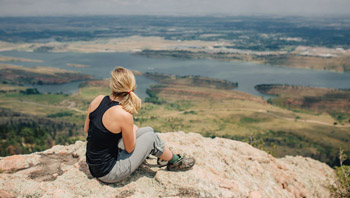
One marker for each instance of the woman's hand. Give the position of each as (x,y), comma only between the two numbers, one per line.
(135,128)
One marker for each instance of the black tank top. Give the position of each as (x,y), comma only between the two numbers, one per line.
(102,145)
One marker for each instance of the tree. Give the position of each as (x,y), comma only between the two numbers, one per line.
(341,187)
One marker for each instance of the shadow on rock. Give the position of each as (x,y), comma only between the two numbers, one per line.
(143,170)
(50,166)
(83,167)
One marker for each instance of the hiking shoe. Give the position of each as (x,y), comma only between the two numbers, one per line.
(183,164)
(161,162)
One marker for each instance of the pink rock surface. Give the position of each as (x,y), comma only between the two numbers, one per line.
(224,168)
(18,162)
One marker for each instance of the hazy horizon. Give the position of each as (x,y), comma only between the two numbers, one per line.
(306,8)
(184,15)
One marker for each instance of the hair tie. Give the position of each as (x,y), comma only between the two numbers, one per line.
(129,91)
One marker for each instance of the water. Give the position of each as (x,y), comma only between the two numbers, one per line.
(246,74)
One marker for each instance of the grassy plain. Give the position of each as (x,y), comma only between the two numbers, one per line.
(246,118)
(208,111)
(311,99)
(237,115)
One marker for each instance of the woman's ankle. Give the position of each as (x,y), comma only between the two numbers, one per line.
(174,159)
(167,154)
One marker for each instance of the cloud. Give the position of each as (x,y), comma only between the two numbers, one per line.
(171,7)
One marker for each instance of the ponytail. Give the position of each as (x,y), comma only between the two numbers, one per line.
(123,84)
(131,103)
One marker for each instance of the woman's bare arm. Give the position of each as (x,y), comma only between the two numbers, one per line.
(86,125)
(128,131)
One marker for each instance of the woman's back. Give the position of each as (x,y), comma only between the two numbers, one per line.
(101,148)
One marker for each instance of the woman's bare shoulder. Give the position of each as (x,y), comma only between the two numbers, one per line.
(120,114)
(95,102)
(98,98)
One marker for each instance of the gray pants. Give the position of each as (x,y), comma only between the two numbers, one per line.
(147,142)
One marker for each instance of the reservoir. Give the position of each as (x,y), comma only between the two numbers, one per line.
(246,74)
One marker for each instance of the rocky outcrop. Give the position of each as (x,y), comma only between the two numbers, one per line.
(224,168)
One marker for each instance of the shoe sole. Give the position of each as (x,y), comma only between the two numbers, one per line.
(184,169)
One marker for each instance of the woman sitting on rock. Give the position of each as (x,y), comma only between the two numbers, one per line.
(115,146)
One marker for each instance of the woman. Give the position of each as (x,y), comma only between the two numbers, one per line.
(109,121)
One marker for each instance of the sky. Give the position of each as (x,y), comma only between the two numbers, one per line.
(174,7)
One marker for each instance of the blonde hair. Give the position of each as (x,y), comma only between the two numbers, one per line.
(123,85)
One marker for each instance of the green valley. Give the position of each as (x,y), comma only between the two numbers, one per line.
(176,105)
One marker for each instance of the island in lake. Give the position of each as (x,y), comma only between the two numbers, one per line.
(14,74)
(77,65)
(16,59)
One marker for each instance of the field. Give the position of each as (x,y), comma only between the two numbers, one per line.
(310,99)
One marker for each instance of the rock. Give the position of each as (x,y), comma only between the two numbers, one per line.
(18,162)
(255,194)
(4,194)
(224,168)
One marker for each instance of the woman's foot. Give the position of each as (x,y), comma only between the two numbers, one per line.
(182,164)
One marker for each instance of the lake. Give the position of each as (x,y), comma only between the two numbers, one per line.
(246,74)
